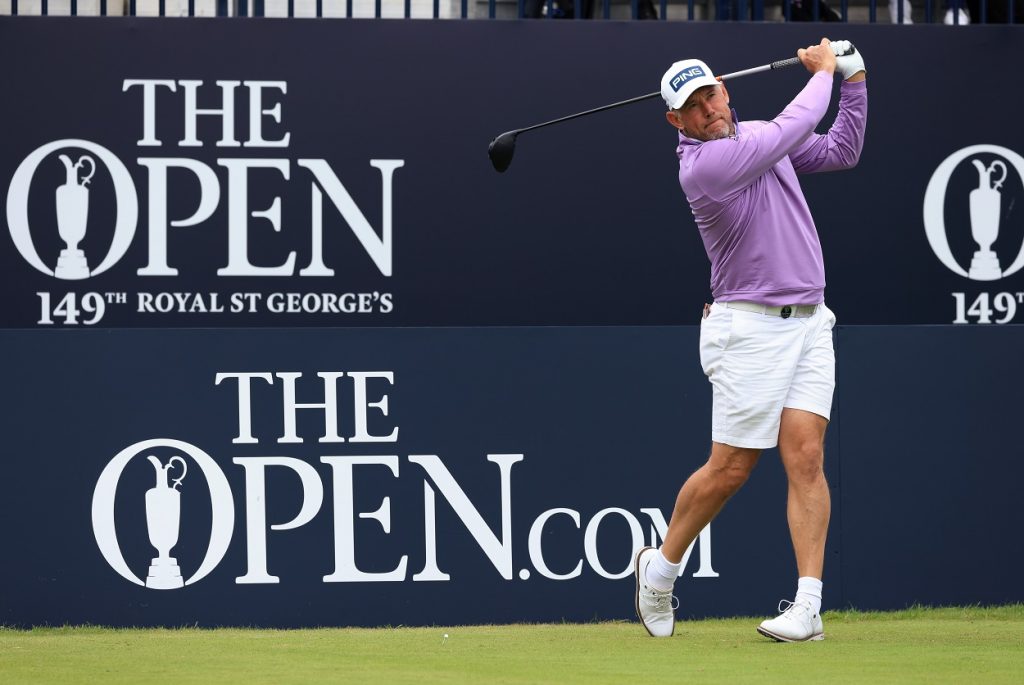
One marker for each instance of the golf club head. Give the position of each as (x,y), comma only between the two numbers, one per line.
(501,150)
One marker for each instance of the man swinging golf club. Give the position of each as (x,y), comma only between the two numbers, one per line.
(766,342)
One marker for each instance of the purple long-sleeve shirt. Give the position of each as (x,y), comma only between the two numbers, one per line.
(746,199)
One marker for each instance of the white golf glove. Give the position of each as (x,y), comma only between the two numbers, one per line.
(850,64)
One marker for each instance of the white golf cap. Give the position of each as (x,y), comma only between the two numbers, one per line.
(682,78)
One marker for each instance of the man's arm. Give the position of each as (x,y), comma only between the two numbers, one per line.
(839,148)
(725,167)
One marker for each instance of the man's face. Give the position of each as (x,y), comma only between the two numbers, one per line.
(705,115)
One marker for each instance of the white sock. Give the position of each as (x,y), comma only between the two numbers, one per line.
(808,590)
(661,573)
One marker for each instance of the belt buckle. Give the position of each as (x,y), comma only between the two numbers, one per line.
(786,312)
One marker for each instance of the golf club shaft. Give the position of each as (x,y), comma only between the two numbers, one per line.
(781,64)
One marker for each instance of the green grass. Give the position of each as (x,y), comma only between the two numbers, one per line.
(972,645)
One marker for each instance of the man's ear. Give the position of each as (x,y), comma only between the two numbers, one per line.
(673,119)
(725,91)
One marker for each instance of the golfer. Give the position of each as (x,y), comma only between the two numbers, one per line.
(766,342)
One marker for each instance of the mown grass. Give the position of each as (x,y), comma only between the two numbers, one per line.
(919,645)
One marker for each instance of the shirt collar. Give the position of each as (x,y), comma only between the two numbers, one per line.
(686,140)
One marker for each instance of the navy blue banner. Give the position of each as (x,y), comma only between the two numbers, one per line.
(445,476)
(289,173)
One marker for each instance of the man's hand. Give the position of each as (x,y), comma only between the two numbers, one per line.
(849,65)
(818,57)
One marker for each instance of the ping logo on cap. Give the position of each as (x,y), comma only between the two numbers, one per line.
(685,75)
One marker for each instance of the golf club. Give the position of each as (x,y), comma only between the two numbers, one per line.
(503,147)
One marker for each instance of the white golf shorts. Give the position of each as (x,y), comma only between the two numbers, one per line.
(759,364)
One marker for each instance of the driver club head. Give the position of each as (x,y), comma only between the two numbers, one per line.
(501,150)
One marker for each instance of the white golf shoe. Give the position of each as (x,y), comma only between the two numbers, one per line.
(653,607)
(796,623)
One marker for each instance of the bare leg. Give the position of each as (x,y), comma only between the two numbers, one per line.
(704,494)
(802,446)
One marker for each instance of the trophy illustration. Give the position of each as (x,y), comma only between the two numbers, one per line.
(985,202)
(72,216)
(163,513)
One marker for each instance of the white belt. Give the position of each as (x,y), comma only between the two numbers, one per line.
(798,311)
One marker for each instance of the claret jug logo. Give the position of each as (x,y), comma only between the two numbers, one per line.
(163,505)
(969,212)
(71,203)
